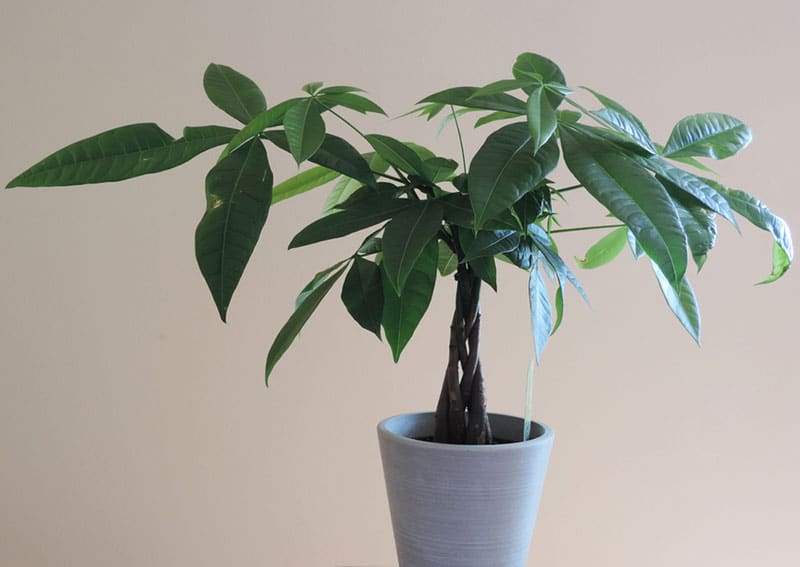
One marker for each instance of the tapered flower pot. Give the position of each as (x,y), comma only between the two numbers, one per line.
(463,505)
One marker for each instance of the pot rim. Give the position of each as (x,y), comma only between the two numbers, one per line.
(546,435)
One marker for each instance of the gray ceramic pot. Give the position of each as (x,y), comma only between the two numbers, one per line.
(462,505)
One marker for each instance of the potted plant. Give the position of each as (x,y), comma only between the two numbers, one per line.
(463,483)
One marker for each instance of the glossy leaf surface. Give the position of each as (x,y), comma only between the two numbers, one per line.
(267,119)
(713,135)
(305,129)
(541,117)
(491,243)
(362,294)
(465,96)
(605,249)
(233,93)
(406,236)
(682,302)
(352,101)
(397,154)
(238,196)
(632,195)
(541,309)
(403,313)
(297,320)
(302,182)
(121,153)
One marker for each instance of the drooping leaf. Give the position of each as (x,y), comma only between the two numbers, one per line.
(464,96)
(344,188)
(318,279)
(121,153)
(486,269)
(533,205)
(403,313)
(362,294)
(305,129)
(504,169)
(406,236)
(559,309)
(397,154)
(491,243)
(233,93)
(541,117)
(604,250)
(298,319)
(632,195)
(541,309)
(698,223)
(302,182)
(238,195)
(623,121)
(352,101)
(713,135)
(682,302)
(759,214)
(542,242)
(636,250)
(691,184)
(367,212)
(267,119)
(448,261)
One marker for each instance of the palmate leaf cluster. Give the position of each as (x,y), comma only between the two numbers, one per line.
(423,215)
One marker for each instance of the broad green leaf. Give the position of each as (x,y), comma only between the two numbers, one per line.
(305,129)
(439,169)
(757,213)
(339,89)
(532,65)
(632,195)
(610,136)
(541,309)
(397,154)
(486,269)
(533,205)
(682,301)
(448,261)
(121,153)
(495,116)
(698,223)
(297,320)
(402,313)
(233,93)
(334,153)
(344,188)
(503,86)
(406,236)
(568,116)
(780,263)
(353,102)
(491,243)
(542,242)
(559,309)
(367,212)
(541,118)
(713,135)
(504,169)
(362,294)
(238,195)
(463,96)
(302,182)
(605,249)
(691,184)
(318,279)
(267,119)
(623,121)
(312,88)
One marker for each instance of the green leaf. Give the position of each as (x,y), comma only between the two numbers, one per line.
(312,88)
(713,135)
(397,154)
(402,313)
(632,195)
(623,121)
(318,279)
(532,65)
(305,129)
(353,102)
(503,86)
(495,116)
(559,309)
(541,309)
(238,195)
(362,295)
(542,242)
(297,320)
(682,301)
(121,153)
(344,188)
(406,236)
(448,261)
(233,93)
(636,250)
(267,119)
(367,212)
(339,89)
(504,169)
(698,223)
(439,169)
(541,118)
(302,182)
(605,249)
(491,243)
(757,213)
(691,184)
(486,269)
(464,96)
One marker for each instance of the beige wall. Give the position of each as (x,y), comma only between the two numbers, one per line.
(134,426)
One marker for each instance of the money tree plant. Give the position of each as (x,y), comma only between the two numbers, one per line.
(425,213)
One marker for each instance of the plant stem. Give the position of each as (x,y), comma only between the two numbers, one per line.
(580,228)
(565,189)
(460,139)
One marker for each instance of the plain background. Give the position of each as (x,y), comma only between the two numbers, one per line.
(135,428)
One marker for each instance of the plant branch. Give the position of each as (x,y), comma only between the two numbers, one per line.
(460,139)
(580,228)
